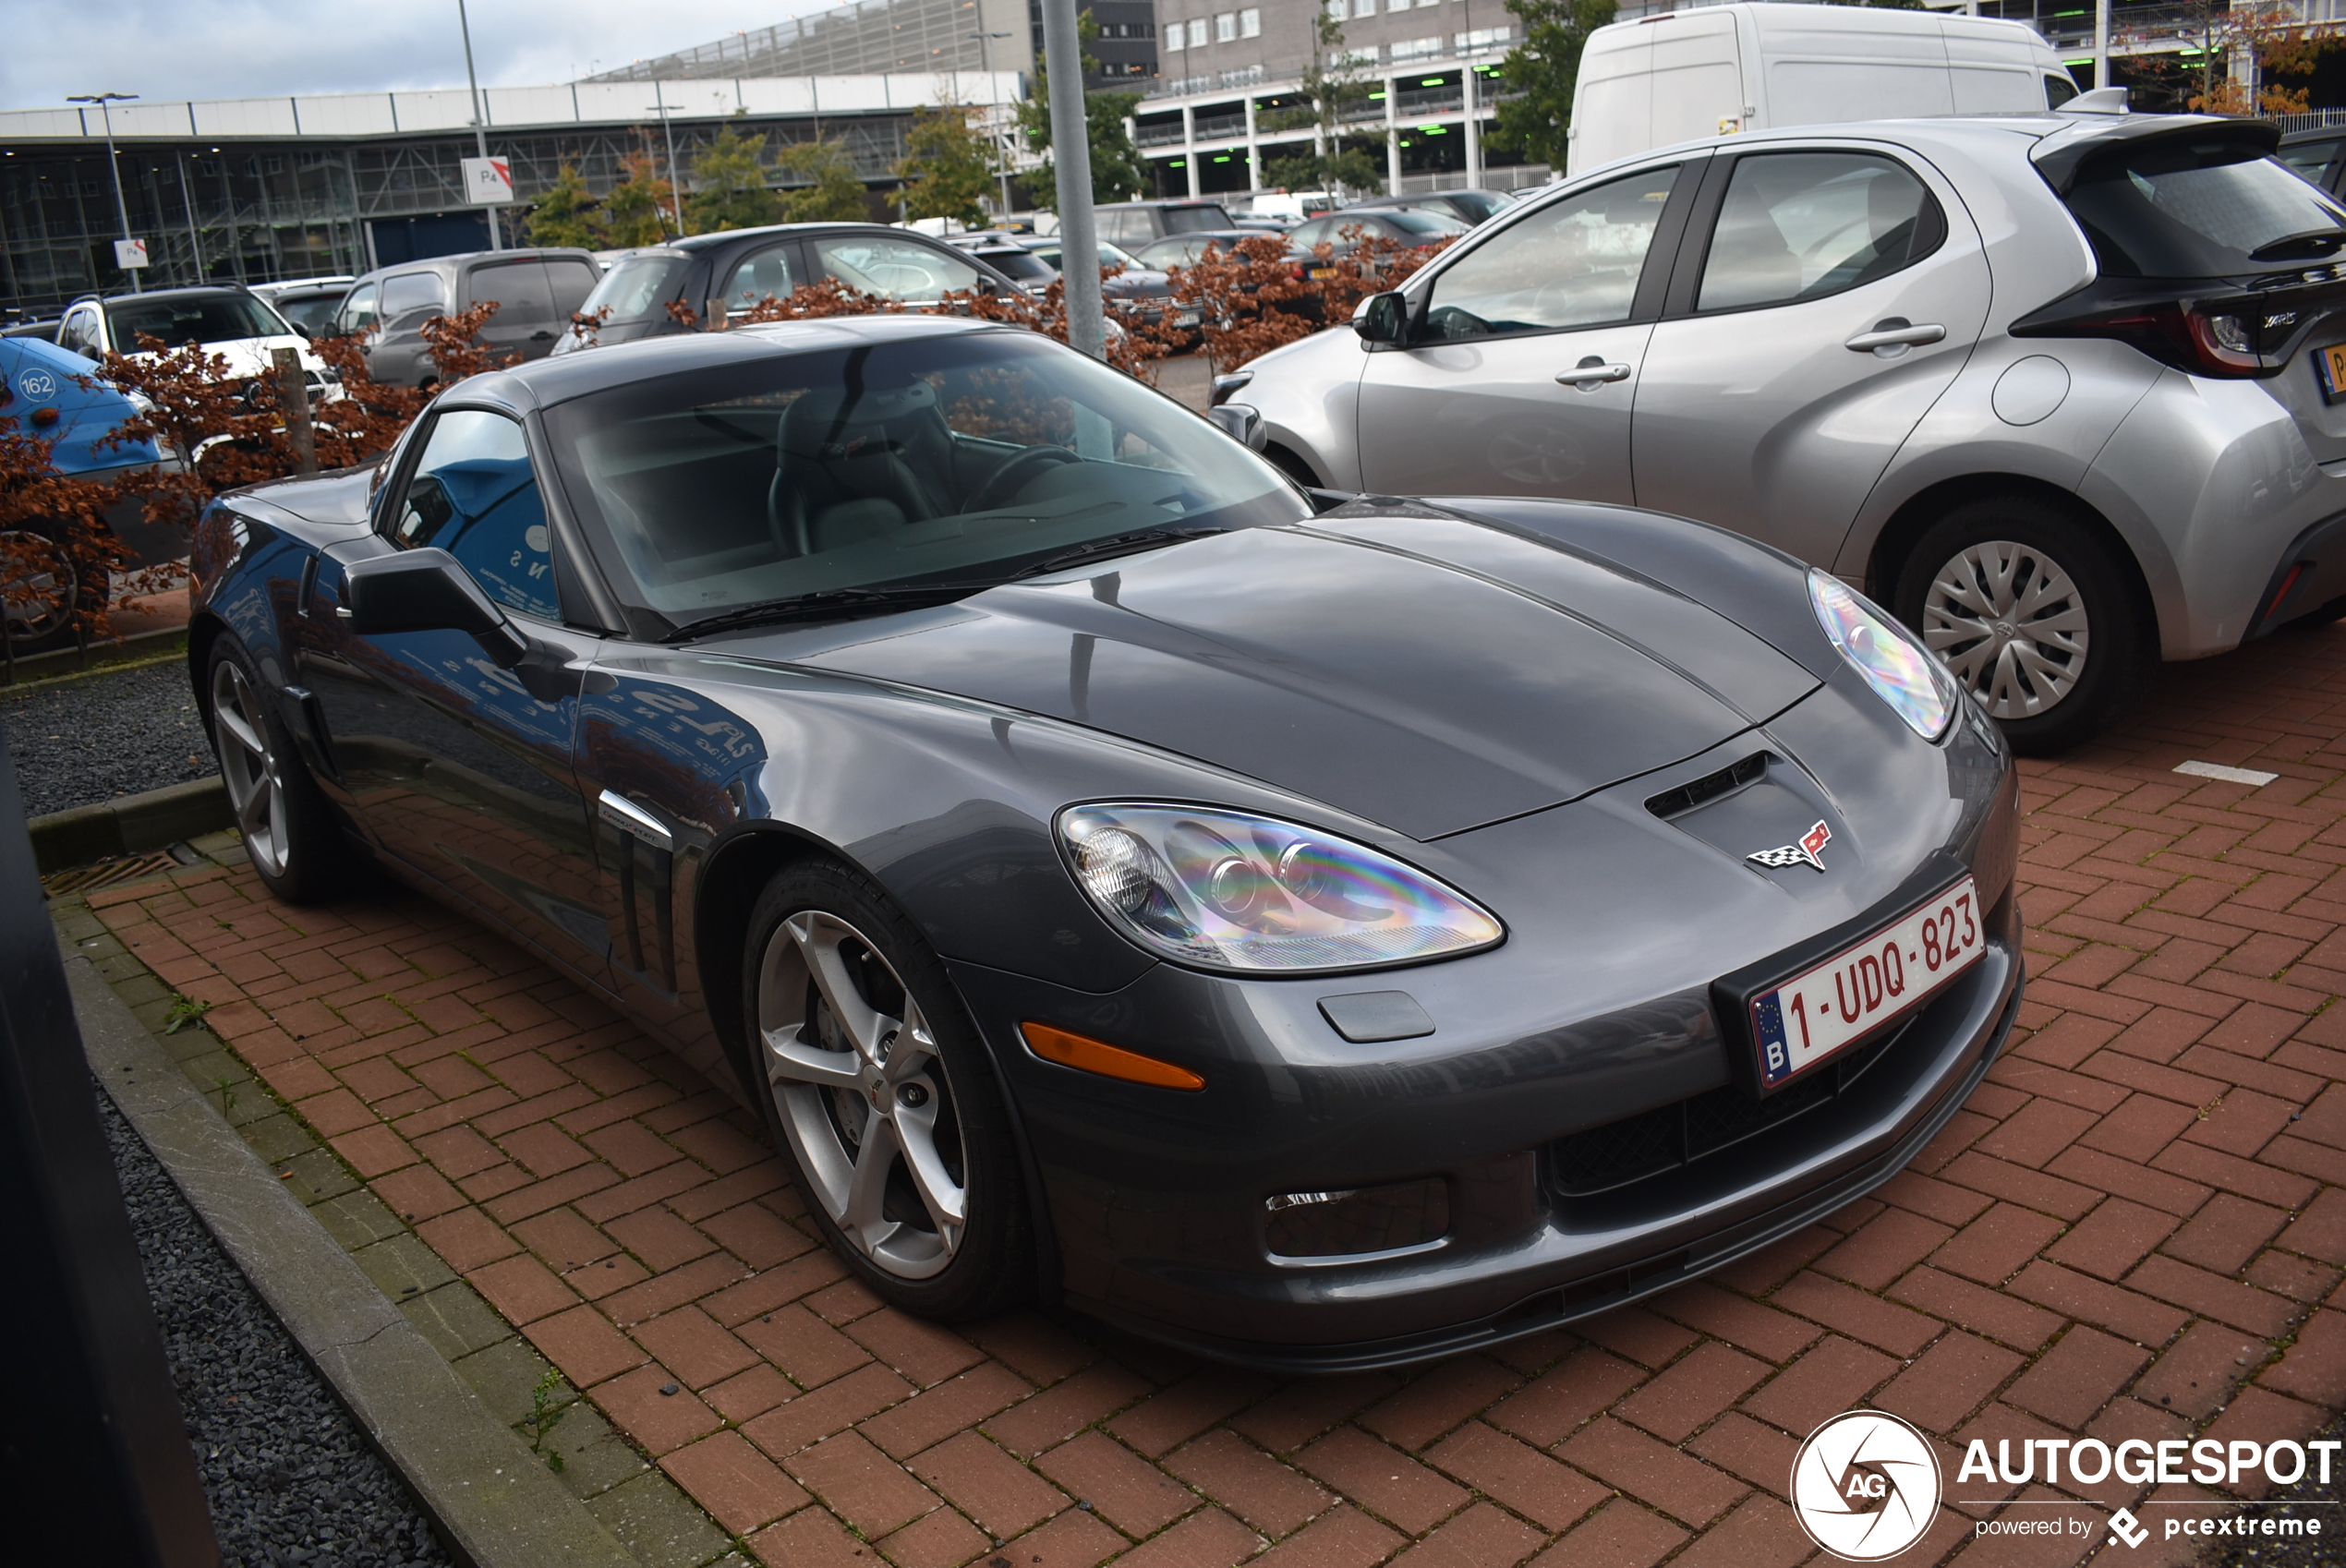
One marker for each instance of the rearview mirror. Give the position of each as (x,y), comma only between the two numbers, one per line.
(1382,318)
(425,590)
(1240,423)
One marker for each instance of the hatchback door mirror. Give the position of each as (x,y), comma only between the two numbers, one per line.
(425,590)
(1382,318)
(1240,423)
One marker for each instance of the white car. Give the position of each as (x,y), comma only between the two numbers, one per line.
(227,319)
(2066,392)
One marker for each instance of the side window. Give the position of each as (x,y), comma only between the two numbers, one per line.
(1802,225)
(572,282)
(762,274)
(474,495)
(2309,159)
(1575,263)
(892,268)
(412,293)
(358,312)
(1314,233)
(75,335)
(518,287)
(2059,91)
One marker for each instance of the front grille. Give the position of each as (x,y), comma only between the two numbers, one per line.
(1600,1159)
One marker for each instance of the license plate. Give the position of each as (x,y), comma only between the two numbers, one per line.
(1318,274)
(1801,1023)
(1186,319)
(2329,372)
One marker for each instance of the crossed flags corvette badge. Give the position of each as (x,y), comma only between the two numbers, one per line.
(1803,853)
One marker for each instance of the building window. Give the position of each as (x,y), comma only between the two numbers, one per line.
(1338,10)
(1174,36)
(1250,22)
(1197,32)
(1225,28)
(1364,7)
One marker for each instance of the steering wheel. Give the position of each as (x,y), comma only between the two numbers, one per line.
(1015,475)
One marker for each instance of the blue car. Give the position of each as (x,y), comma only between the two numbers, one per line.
(52,397)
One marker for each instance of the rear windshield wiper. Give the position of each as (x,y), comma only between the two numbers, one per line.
(828,604)
(1117,544)
(2301,246)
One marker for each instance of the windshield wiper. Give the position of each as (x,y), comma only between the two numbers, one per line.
(2300,246)
(828,603)
(1116,544)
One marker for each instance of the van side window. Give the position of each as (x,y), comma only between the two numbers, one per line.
(410,292)
(2058,91)
(1802,225)
(358,312)
(1575,263)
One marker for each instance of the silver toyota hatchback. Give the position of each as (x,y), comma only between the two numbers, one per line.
(2066,392)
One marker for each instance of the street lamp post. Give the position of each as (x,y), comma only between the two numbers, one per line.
(480,121)
(1071,168)
(675,180)
(122,207)
(1001,147)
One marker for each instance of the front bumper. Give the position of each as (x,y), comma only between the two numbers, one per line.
(1156,1199)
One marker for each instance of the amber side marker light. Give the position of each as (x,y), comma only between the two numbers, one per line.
(1086,1054)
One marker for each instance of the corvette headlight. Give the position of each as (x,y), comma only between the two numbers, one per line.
(1227,890)
(1900,669)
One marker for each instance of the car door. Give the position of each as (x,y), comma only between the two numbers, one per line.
(1525,351)
(1824,297)
(525,321)
(453,764)
(770,270)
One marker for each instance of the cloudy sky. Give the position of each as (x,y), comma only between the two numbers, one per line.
(256,48)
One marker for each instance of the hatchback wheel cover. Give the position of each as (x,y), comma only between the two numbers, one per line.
(40,601)
(2011,625)
(249,767)
(853,1066)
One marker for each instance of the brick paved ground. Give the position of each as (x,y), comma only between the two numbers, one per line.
(2137,1228)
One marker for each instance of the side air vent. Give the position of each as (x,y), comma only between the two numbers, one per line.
(1710,787)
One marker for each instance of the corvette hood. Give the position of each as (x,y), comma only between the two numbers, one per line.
(1424,671)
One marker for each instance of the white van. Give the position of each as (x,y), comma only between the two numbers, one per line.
(1718,69)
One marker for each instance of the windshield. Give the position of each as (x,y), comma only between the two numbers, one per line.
(957,458)
(312,314)
(185,319)
(1020,266)
(2184,209)
(637,288)
(1190,220)
(1433,225)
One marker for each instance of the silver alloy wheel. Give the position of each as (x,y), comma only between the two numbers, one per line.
(853,1066)
(36,604)
(2011,624)
(251,768)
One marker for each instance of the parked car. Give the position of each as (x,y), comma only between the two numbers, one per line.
(1469,207)
(227,319)
(2060,446)
(535,291)
(1343,233)
(1325,941)
(740,268)
(45,329)
(1132,291)
(51,396)
(308,304)
(1188,249)
(1716,70)
(1134,224)
(2315,156)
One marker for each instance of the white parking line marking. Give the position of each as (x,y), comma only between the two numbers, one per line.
(2229,775)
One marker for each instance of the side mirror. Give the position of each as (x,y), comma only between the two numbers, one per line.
(425,590)
(1382,318)
(1240,423)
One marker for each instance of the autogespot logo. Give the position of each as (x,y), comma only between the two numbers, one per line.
(1864,1485)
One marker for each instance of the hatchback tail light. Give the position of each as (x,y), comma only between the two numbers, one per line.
(2217,330)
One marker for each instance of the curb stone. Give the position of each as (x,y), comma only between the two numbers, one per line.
(492,1502)
(132,824)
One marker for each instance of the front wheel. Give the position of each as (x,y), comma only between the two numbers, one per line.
(873,1080)
(289,828)
(2036,615)
(41,587)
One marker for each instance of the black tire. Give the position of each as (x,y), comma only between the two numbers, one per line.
(292,833)
(1292,466)
(2075,642)
(900,1246)
(41,619)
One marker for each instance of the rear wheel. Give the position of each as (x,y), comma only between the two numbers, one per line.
(41,589)
(290,831)
(873,1079)
(2036,615)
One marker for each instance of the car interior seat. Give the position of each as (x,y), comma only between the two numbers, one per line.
(854,461)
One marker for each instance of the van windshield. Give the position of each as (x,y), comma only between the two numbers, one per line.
(2201,208)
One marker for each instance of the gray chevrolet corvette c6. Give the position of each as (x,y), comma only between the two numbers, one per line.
(1322,931)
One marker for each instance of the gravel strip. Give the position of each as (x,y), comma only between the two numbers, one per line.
(290,1480)
(2309,1499)
(83,742)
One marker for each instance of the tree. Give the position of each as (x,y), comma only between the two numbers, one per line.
(729,191)
(567,215)
(638,206)
(1117,173)
(1329,87)
(832,192)
(1540,75)
(2265,33)
(948,168)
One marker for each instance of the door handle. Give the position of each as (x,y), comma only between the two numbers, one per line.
(1895,332)
(541,337)
(1593,371)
